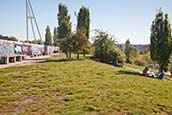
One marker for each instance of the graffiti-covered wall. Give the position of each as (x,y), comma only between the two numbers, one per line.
(6,48)
(18,49)
(37,49)
(50,49)
(26,49)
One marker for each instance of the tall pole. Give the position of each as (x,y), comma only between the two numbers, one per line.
(31,21)
(35,19)
(31,16)
(27,33)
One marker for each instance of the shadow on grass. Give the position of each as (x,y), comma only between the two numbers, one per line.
(129,72)
(62,60)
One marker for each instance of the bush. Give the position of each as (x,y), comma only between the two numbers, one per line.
(106,49)
(143,59)
(140,62)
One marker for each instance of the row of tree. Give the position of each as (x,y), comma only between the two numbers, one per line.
(105,48)
(68,41)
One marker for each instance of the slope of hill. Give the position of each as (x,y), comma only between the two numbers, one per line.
(81,87)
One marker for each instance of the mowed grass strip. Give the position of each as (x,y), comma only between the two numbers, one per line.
(81,87)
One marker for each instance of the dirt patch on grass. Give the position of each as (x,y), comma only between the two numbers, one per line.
(19,80)
(37,71)
(26,72)
(12,110)
(56,97)
(12,73)
(25,101)
(25,90)
(17,107)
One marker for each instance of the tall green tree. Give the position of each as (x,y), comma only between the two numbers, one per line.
(55,37)
(84,23)
(160,47)
(48,36)
(80,42)
(128,51)
(64,29)
(84,20)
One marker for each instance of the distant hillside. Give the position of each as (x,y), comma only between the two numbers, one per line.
(140,47)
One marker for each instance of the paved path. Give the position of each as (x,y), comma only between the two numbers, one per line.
(133,69)
(28,61)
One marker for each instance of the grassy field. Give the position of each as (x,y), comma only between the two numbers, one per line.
(81,87)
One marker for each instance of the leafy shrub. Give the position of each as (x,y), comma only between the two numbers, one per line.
(106,49)
(140,62)
(143,60)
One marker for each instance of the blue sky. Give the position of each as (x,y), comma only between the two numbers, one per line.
(122,18)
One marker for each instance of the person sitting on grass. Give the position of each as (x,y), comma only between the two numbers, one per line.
(161,76)
(147,73)
(116,64)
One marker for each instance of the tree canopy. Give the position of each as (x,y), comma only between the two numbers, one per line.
(64,29)
(130,52)
(80,42)
(160,47)
(84,20)
(48,36)
(55,37)
(106,50)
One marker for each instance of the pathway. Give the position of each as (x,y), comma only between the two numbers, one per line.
(28,61)
(133,69)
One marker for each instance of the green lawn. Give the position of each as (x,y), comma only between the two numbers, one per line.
(81,87)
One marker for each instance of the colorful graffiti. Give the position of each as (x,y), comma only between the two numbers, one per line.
(18,49)
(6,48)
(26,50)
(37,49)
(50,49)
(14,48)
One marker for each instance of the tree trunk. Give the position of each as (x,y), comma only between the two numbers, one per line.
(77,55)
(161,67)
(84,55)
(70,55)
(67,55)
